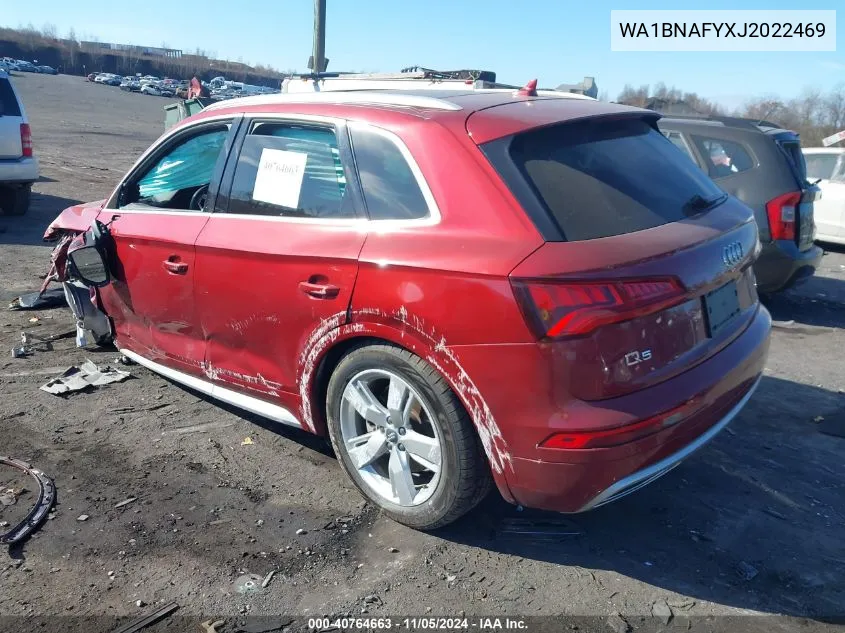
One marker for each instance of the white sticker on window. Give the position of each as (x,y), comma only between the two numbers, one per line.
(279,177)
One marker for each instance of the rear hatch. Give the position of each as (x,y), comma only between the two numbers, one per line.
(647,268)
(789,143)
(10,121)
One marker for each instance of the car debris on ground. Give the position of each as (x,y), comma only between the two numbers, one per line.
(87,375)
(542,529)
(148,620)
(44,502)
(53,298)
(31,343)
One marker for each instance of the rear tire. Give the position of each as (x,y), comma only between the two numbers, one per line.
(14,200)
(430,468)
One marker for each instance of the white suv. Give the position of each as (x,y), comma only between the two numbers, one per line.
(18,166)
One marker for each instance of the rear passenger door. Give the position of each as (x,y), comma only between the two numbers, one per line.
(280,252)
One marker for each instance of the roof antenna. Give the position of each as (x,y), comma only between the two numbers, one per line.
(768,114)
(529,89)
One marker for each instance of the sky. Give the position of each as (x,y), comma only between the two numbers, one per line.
(555,41)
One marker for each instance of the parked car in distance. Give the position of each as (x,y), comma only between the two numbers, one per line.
(9,63)
(91,77)
(18,165)
(130,84)
(826,165)
(48,70)
(26,67)
(762,165)
(150,89)
(456,287)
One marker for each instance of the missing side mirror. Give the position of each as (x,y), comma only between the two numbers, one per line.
(88,266)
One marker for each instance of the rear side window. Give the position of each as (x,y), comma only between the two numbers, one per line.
(679,142)
(792,149)
(724,158)
(287,170)
(8,102)
(391,190)
(820,166)
(601,178)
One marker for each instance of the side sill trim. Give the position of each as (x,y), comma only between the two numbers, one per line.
(248,403)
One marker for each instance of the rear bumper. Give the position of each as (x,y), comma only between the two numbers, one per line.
(643,477)
(781,265)
(577,480)
(18,171)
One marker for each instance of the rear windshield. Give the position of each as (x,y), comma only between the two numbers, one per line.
(8,101)
(602,178)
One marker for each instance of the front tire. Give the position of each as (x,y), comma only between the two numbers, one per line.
(403,437)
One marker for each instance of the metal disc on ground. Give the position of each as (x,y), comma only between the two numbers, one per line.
(248,583)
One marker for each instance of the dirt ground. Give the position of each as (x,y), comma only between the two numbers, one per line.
(754,524)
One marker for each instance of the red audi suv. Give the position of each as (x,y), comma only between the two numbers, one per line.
(458,288)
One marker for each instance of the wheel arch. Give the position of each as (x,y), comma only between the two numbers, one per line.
(327,351)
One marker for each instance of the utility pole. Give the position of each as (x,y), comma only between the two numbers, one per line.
(318,59)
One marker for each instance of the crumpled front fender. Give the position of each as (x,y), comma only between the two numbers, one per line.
(76,219)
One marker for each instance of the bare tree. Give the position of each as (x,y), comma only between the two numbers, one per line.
(49,31)
(834,107)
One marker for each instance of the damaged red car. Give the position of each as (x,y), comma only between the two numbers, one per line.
(459,289)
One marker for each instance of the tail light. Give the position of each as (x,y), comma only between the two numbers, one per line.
(606,438)
(26,140)
(782,215)
(577,308)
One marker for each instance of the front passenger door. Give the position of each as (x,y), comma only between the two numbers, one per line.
(158,212)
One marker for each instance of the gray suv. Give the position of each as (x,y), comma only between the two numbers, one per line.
(762,165)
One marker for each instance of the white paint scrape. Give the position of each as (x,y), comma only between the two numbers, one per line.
(441,358)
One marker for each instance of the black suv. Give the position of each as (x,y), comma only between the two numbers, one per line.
(762,165)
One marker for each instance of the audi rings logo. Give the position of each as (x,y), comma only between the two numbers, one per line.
(732,254)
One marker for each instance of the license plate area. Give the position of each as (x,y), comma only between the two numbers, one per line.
(720,307)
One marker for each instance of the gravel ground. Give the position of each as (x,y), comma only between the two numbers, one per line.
(752,525)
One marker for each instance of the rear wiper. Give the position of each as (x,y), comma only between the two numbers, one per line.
(699,203)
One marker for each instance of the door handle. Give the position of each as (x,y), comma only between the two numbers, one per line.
(173,265)
(319,290)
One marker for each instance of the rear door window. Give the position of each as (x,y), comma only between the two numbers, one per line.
(601,178)
(290,170)
(8,101)
(724,158)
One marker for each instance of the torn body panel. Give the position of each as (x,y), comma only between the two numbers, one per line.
(75,219)
(92,323)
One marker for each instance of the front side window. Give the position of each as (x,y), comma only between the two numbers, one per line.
(290,170)
(391,190)
(598,178)
(180,178)
(724,158)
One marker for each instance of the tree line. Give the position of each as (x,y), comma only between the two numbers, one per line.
(814,114)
